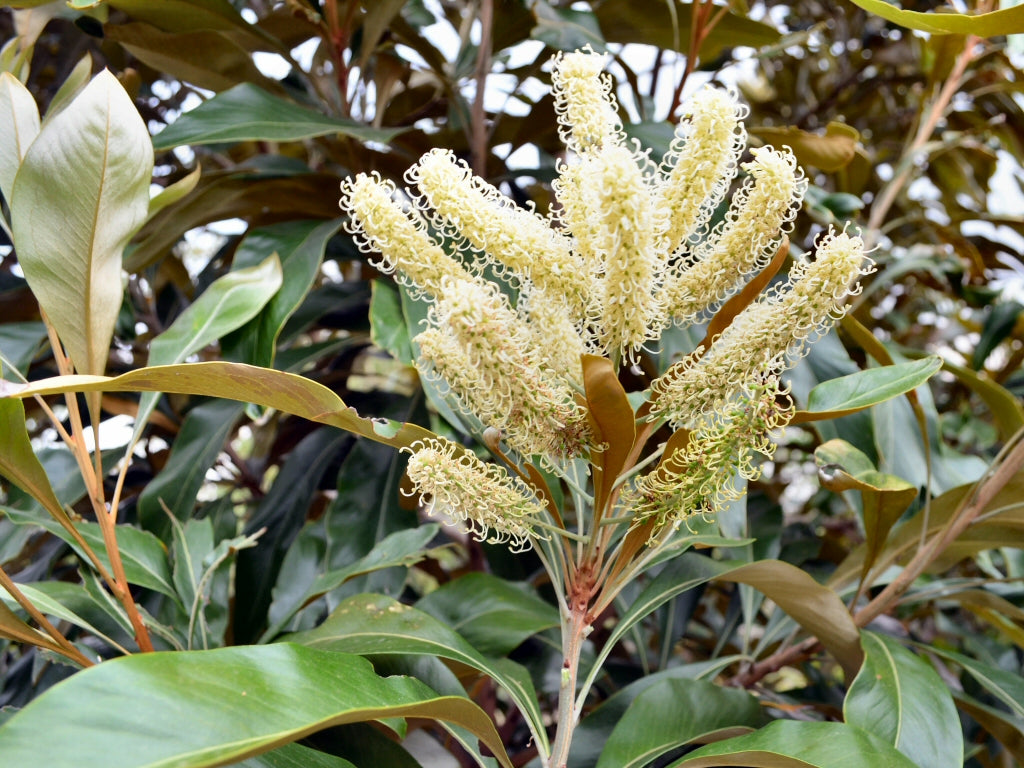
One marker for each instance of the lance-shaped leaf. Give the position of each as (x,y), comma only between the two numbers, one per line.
(857,391)
(885,497)
(613,420)
(228,303)
(800,744)
(207,708)
(248,113)
(81,193)
(900,698)
(1007,21)
(19,125)
(378,625)
(286,392)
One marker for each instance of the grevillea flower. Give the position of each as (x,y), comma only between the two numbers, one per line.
(505,384)
(766,336)
(587,118)
(515,239)
(482,498)
(760,213)
(380,225)
(699,478)
(700,164)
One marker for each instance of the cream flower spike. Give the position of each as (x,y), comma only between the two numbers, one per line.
(587,115)
(625,241)
(761,212)
(701,163)
(700,478)
(482,498)
(767,336)
(380,225)
(507,388)
(516,239)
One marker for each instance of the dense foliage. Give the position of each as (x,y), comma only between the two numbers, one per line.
(861,605)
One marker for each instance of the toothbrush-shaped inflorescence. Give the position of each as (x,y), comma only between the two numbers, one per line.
(627,250)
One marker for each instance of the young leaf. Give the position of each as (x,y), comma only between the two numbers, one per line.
(799,744)
(81,193)
(19,125)
(209,708)
(885,497)
(900,698)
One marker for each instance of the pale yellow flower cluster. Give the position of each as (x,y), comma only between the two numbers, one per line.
(627,250)
(482,498)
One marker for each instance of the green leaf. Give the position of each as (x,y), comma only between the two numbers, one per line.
(799,744)
(492,614)
(566,29)
(208,708)
(1007,21)
(885,497)
(295,756)
(172,193)
(1007,730)
(286,392)
(388,329)
(901,699)
(13,628)
(19,343)
(198,444)
(1005,686)
(81,193)
(19,126)
(229,302)
(248,113)
(857,391)
(54,598)
(19,464)
(401,548)
(378,625)
(300,245)
(1004,405)
(667,25)
(674,713)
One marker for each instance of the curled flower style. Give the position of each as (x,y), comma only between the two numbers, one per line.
(482,498)
(492,365)
(380,225)
(625,242)
(760,213)
(700,164)
(516,239)
(699,478)
(767,336)
(587,115)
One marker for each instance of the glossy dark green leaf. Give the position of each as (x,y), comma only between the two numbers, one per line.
(594,729)
(492,614)
(208,708)
(300,247)
(248,113)
(388,327)
(999,324)
(799,744)
(673,713)
(378,625)
(900,698)
(81,193)
(295,756)
(863,389)
(19,126)
(401,548)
